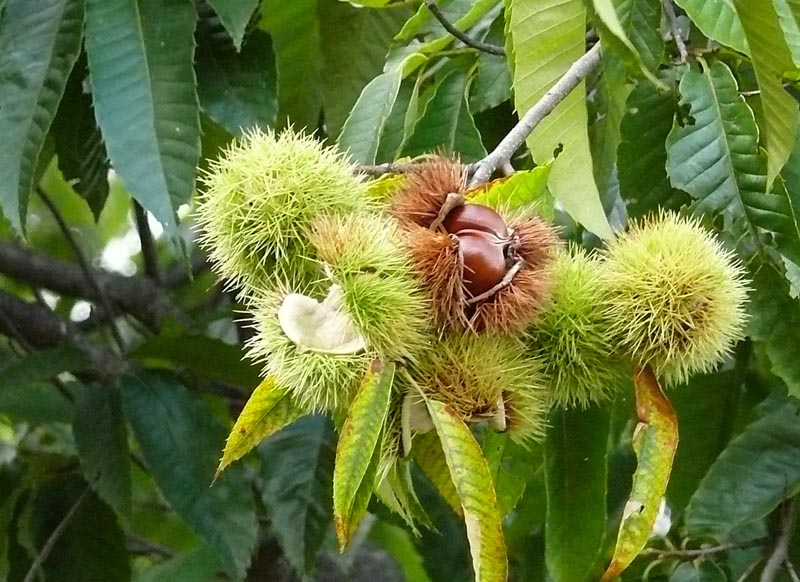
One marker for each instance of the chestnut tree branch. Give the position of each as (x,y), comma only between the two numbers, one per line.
(138,296)
(706,551)
(466,39)
(780,549)
(484,169)
(675,31)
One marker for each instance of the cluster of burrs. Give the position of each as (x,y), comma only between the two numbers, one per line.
(480,308)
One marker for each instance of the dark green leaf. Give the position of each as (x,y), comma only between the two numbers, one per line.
(641,21)
(238,90)
(41,365)
(39,43)
(715,157)
(235,15)
(511,466)
(642,153)
(575,472)
(102,441)
(150,121)
(774,323)
(757,470)
(446,124)
(297,472)
(394,130)
(294,28)
(704,571)
(211,359)
(181,440)
(92,547)
(196,565)
(492,85)
(82,156)
(348,66)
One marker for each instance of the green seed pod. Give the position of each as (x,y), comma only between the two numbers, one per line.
(258,202)
(310,347)
(678,296)
(572,339)
(363,255)
(487,378)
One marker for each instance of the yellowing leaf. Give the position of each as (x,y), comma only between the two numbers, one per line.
(268,410)
(357,451)
(520,191)
(473,482)
(654,442)
(428,454)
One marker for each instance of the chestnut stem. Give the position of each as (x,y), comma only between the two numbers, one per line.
(453,200)
(517,136)
(505,282)
(467,40)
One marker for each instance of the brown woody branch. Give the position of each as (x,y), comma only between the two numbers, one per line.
(466,39)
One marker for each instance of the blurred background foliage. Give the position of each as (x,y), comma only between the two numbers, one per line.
(121,365)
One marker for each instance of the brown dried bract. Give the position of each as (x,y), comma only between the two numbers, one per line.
(425,190)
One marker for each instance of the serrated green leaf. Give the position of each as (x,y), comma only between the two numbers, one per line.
(102,442)
(492,85)
(206,357)
(523,190)
(179,439)
(511,468)
(39,43)
(267,411)
(446,125)
(295,30)
(235,15)
(716,159)
(788,15)
(357,450)
(237,89)
(473,482)
(151,122)
(297,476)
(655,440)
(757,470)
(775,318)
(92,547)
(394,130)
(606,10)
(575,476)
(771,58)
(718,20)
(349,66)
(82,156)
(547,37)
(641,21)
(428,454)
(642,152)
(362,131)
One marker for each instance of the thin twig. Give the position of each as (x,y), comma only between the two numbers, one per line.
(792,572)
(517,136)
(449,27)
(700,552)
(54,537)
(672,18)
(83,263)
(780,551)
(149,254)
(750,569)
(144,547)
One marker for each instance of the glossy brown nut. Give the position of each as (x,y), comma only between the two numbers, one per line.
(475,217)
(484,260)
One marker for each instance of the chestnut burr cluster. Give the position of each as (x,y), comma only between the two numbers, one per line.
(483,272)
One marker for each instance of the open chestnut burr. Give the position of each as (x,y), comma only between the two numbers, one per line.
(482,271)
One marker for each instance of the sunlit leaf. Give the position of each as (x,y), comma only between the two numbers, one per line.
(150,123)
(267,411)
(297,473)
(428,454)
(575,476)
(523,190)
(654,442)
(39,43)
(357,450)
(473,482)
(542,52)
(718,20)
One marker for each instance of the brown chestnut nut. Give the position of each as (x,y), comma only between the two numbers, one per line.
(475,217)
(484,260)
